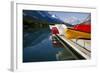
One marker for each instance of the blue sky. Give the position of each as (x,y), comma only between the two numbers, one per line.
(70,17)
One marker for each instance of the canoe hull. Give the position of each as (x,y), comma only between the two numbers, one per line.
(74,34)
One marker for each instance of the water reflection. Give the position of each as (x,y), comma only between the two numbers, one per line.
(40,45)
(56,43)
(62,54)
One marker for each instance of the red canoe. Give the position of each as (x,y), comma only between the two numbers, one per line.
(83,27)
(54,30)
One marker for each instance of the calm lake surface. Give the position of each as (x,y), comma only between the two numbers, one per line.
(39,45)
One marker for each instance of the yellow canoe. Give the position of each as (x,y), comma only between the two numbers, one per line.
(74,34)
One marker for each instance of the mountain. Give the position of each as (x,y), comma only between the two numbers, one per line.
(41,16)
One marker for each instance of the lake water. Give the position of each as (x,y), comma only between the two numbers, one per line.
(39,45)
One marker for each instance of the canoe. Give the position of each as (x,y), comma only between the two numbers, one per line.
(83,28)
(54,30)
(75,34)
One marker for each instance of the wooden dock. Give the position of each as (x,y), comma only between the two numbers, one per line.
(86,53)
(79,47)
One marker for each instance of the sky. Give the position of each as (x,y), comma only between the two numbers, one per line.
(70,17)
